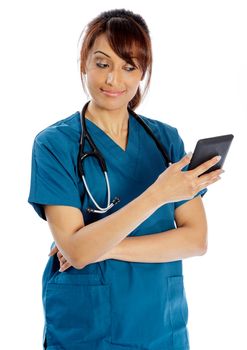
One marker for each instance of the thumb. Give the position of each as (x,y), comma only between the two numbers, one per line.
(185,160)
(53,251)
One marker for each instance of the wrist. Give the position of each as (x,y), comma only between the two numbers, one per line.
(117,250)
(153,196)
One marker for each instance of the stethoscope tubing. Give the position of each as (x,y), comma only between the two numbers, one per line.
(96,153)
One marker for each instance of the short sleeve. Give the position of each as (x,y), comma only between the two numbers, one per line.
(178,152)
(53,176)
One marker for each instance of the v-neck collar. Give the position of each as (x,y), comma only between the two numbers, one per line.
(108,139)
(123,160)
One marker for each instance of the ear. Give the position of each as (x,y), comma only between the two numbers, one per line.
(143,76)
(83,68)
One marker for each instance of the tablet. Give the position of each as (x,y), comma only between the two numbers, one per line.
(208,148)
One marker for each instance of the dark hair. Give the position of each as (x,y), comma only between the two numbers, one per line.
(127,33)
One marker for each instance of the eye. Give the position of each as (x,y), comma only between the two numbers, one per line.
(130,68)
(104,65)
(101,65)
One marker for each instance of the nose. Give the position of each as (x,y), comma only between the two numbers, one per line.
(109,78)
(112,78)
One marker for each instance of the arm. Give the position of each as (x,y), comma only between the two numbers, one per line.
(81,245)
(188,239)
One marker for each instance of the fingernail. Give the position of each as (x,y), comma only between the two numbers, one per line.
(189,154)
(218,157)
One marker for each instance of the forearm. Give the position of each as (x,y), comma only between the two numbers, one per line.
(94,240)
(172,245)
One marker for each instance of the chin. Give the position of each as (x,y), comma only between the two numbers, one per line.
(110,103)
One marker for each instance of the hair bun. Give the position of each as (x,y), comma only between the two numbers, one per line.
(125,14)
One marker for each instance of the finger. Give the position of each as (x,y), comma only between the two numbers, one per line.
(184,161)
(53,251)
(61,259)
(200,169)
(65,266)
(59,255)
(207,177)
(208,183)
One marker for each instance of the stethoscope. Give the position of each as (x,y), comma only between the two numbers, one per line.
(96,153)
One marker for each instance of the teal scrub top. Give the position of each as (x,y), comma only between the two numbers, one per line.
(113,304)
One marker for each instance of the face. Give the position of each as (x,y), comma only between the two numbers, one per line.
(111,81)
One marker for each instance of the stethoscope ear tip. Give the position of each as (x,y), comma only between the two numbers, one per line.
(116,200)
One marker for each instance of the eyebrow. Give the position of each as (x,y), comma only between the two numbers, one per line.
(98,51)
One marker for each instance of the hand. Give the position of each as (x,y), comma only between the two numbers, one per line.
(174,185)
(64,264)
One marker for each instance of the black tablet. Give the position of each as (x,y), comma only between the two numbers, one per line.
(208,148)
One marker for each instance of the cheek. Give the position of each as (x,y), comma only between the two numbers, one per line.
(133,80)
(94,78)
(133,84)
(94,81)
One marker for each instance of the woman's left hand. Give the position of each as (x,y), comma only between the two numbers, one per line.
(64,264)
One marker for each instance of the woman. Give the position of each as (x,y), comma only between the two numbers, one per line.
(114,278)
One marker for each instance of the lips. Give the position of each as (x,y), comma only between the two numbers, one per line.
(112,93)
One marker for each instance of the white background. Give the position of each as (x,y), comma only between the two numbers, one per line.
(199,85)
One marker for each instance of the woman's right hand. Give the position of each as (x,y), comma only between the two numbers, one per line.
(174,185)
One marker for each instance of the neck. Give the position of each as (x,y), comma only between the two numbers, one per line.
(114,122)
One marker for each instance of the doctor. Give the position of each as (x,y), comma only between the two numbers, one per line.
(114,281)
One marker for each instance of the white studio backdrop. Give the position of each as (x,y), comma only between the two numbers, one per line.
(199,85)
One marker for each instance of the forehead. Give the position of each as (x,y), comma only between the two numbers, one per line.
(102,44)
